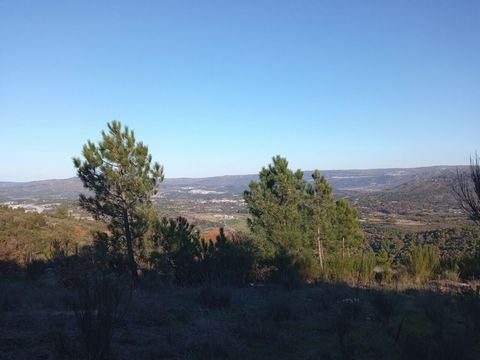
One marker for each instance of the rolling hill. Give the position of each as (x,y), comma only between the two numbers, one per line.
(390,182)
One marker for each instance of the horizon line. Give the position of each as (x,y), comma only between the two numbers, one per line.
(251,174)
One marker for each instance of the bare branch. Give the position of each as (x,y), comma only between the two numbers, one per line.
(467,189)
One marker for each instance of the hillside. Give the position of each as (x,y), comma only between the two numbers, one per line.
(424,200)
(341,180)
(417,197)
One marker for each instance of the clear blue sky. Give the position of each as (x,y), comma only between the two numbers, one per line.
(218,87)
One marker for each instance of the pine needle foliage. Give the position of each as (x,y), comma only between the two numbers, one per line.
(122,178)
(298,222)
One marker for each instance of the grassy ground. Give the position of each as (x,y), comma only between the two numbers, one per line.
(324,321)
(163,321)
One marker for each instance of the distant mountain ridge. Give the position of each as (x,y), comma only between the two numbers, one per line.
(342,180)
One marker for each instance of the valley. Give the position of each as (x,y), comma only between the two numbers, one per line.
(411,198)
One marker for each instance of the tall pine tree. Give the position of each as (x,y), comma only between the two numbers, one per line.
(122,178)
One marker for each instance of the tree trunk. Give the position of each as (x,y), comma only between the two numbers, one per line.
(320,252)
(131,258)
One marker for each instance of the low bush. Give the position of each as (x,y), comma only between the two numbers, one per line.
(98,310)
(422,261)
(469,266)
(363,265)
(287,271)
(229,260)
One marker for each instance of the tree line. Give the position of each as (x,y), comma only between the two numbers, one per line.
(298,231)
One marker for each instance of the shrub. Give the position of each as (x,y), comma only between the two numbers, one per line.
(469,266)
(451,274)
(181,253)
(422,261)
(287,271)
(72,271)
(107,255)
(229,261)
(98,311)
(384,261)
(363,265)
(340,267)
(179,242)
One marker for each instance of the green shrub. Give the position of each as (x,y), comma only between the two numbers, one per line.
(107,254)
(180,253)
(179,242)
(422,261)
(340,267)
(363,265)
(384,261)
(469,266)
(287,271)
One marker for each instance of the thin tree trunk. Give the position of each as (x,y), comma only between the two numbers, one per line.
(320,252)
(131,258)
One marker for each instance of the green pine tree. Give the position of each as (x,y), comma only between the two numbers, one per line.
(274,205)
(347,227)
(122,178)
(297,222)
(322,210)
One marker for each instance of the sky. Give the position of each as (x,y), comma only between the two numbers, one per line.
(219,87)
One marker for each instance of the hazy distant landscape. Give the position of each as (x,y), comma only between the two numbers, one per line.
(419,198)
(341,180)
